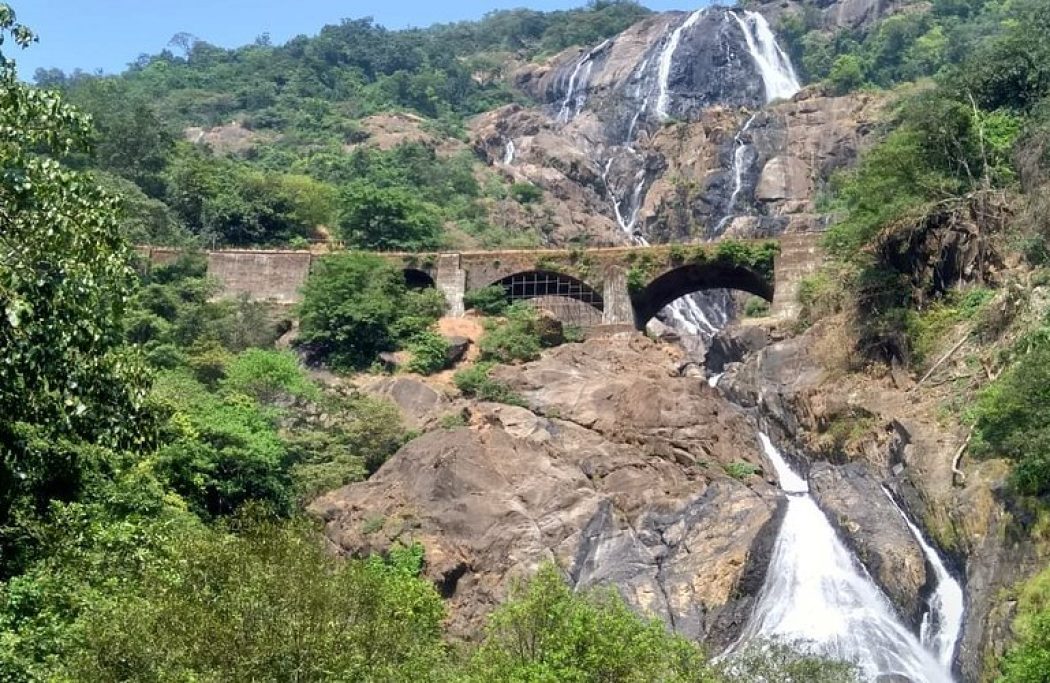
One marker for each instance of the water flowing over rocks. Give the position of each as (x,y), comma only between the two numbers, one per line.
(615,472)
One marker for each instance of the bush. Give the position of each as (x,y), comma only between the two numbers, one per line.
(220,452)
(491,300)
(526,193)
(475,381)
(268,376)
(547,632)
(1029,659)
(514,338)
(756,307)
(741,470)
(429,352)
(356,306)
(267,604)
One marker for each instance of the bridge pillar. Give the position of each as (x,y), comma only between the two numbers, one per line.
(451,280)
(617,298)
(800,255)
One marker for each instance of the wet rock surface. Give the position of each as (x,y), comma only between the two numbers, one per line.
(854,502)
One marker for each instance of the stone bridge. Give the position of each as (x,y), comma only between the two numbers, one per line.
(588,287)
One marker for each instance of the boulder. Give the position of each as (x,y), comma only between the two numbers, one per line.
(733,345)
(457,348)
(419,402)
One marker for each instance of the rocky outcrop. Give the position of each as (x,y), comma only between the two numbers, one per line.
(856,505)
(420,403)
(614,472)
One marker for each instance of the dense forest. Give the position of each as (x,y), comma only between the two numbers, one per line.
(157,451)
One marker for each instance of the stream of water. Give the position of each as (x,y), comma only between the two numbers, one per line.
(816,594)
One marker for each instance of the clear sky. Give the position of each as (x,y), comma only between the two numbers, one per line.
(108,34)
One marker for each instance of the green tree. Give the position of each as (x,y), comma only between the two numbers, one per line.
(266,604)
(546,632)
(69,391)
(387,219)
(357,305)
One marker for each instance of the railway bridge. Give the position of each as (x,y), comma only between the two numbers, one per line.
(585,286)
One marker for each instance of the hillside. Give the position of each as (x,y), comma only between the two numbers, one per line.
(195,487)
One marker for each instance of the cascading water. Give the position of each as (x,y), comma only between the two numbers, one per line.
(740,150)
(663,69)
(508,153)
(778,75)
(942,623)
(576,93)
(816,595)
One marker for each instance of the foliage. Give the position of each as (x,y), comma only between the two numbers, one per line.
(1011,419)
(350,439)
(546,632)
(526,193)
(741,469)
(429,352)
(268,603)
(357,305)
(518,336)
(268,376)
(69,391)
(756,307)
(387,219)
(491,300)
(1029,659)
(220,451)
(475,381)
(780,662)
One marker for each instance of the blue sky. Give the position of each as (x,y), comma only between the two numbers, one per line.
(107,34)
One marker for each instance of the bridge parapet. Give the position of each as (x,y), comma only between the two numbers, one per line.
(625,285)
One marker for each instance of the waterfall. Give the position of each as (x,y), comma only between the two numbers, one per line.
(942,623)
(667,59)
(713,380)
(816,594)
(740,149)
(778,75)
(576,93)
(508,153)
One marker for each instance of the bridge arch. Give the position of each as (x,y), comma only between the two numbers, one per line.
(418,279)
(695,277)
(569,298)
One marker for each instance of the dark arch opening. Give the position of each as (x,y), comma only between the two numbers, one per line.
(696,277)
(534,284)
(418,279)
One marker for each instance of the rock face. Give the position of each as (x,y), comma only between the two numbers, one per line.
(614,472)
(857,507)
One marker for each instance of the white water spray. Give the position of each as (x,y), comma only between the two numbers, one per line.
(778,75)
(508,153)
(942,623)
(815,594)
(667,59)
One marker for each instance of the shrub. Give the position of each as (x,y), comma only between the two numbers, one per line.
(741,470)
(357,305)
(267,604)
(756,307)
(429,352)
(548,632)
(526,193)
(268,376)
(1011,418)
(491,300)
(1028,659)
(514,338)
(475,381)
